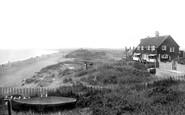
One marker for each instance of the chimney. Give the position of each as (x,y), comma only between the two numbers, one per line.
(156,34)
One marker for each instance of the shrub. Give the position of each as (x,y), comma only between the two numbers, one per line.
(60,92)
(121,63)
(29,80)
(66,80)
(131,63)
(108,77)
(140,66)
(82,72)
(165,82)
(90,80)
(66,71)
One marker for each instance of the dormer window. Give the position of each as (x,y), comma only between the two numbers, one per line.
(164,48)
(152,48)
(138,47)
(172,49)
(148,47)
(142,47)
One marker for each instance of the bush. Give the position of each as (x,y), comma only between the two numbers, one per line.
(29,80)
(121,63)
(66,80)
(121,75)
(66,71)
(139,66)
(131,63)
(165,82)
(108,77)
(81,73)
(90,80)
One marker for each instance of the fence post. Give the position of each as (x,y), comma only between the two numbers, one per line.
(21,91)
(1,90)
(11,91)
(15,91)
(9,108)
(40,91)
(6,90)
(18,92)
(29,90)
(24,92)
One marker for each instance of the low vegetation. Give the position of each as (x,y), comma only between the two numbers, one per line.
(137,92)
(180,60)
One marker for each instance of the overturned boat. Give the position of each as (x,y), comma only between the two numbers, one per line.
(43,104)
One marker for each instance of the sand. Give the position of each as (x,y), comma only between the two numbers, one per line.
(12,74)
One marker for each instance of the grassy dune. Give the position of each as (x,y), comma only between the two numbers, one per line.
(137,92)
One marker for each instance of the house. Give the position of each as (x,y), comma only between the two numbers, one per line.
(158,48)
(128,52)
(181,54)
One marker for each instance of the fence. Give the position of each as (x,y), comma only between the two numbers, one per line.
(24,91)
(32,91)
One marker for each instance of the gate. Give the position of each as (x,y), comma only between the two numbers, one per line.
(174,65)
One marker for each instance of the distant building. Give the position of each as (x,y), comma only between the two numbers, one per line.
(128,52)
(158,48)
(181,54)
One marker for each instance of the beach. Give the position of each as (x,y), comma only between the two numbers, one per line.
(12,55)
(12,74)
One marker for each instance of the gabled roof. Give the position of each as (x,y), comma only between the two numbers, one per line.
(129,51)
(153,41)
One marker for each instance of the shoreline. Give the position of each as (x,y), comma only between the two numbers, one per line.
(34,55)
(12,74)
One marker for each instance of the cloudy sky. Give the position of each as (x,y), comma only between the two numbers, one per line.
(26,24)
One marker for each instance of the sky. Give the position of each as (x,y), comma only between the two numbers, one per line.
(51,24)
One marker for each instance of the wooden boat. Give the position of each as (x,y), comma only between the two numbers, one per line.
(43,104)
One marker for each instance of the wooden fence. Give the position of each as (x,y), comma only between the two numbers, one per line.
(32,91)
(24,91)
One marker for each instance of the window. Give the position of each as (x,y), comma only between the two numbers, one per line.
(153,48)
(164,47)
(142,47)
(164,56)
(148,47)
(138,48)
(172,49)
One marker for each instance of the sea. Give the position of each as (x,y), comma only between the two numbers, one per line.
(11,55)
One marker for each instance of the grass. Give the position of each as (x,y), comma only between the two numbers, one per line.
(111,74)
(161,97)
(131,97)
(158,99)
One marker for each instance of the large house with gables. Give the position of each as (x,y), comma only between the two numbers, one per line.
(158,48)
